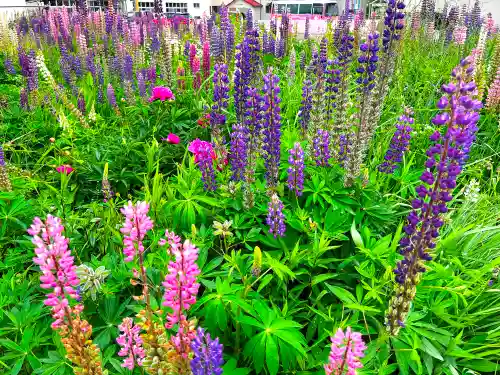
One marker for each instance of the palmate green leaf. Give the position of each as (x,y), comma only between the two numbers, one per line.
(272,355)
(279,268)
(430,349)
(265,280)
(323,277)
(250,321)
(292,338)
(342,294)
(481,365)
(281,323)
(256,349)
(403,355)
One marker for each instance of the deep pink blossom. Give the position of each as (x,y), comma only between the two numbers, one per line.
(346,350)
(131,344)
(65,168)
(162,93)
(137,224)
(199,147)
(180,283)
(56,264)
(172,139)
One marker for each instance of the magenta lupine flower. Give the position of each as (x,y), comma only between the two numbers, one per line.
(275,218)
(346,350)
(206,60)
(180,283)
(172,239)
(137,224)
(56,264)
(296,169)
(131,344)
(192,55)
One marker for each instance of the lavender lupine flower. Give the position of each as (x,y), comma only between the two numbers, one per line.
(344,148)
(394,25)
(32,80)
(321,148)
(207,354)
(291,66)
(238,153)
(306,30)
(141,84)
(221,97)
(204,155)
(265,42)
(280,48)
(229,42)
(284,31)
(302,60)
(77,66)
(476,16)
(9,67)
(305,105)
(249,19)
(318,113)
(275,218)
(110,93)
(459,114)
(215,43)
(187,48)
(108,19)
(253,126)
(81,105)
(400,143)
(91,65)
(5,183)
(452,23)
(128,68)
(23,99)
(331,89)
(296,169)
(344,60)
(363,131)
(272,128)
(247,64)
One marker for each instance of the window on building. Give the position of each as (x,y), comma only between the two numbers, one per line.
(318,9)
(178,7)
(268,7)
(196,5)
(146,5)
(305,9)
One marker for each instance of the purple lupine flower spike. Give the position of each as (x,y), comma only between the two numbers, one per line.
(459,115)
(296,169)
(81,105)
(238,153)
(321,148)
(9,67)
(207,354)
(110,93)
(221,97)
(275,218)
(306,105)
(400,143)
(272,128)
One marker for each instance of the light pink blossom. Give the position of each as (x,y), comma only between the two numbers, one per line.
(131,344)
(346,350)
(172,239)
(137,224)
(460,34)
(56,264)
(180,283)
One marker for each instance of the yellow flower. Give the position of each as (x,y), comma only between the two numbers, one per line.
(222,229)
